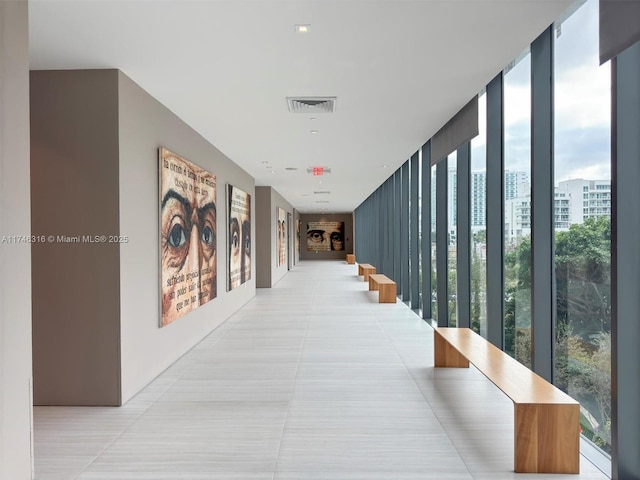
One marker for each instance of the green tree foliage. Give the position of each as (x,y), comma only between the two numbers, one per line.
(583,277)
(517,301)
(583,317)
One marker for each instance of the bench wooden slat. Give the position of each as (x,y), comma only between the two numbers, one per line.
(513,378)
(379,278)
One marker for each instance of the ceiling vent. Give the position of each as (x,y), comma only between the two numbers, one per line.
(322,192)
(312,104)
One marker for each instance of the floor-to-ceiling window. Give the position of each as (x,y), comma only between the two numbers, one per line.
(517,208)
(583,220)
(452,241)
(479,222)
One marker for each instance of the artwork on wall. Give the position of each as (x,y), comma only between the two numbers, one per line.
(282,237)
(188,254)
(325,236)
(239,239)
(298,238)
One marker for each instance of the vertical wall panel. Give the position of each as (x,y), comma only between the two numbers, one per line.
(495,213)
(415,241)
(426,231)
(404,234)
(397,257)
(625,215)
(542,206)
(16,431)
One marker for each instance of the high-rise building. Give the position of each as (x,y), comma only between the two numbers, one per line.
(589,198)
(514,183)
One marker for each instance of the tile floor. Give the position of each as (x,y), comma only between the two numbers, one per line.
(312,379)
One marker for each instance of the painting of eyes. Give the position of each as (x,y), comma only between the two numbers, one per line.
(187,236)
(239,241)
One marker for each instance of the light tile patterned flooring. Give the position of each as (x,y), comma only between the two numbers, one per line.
(312,379)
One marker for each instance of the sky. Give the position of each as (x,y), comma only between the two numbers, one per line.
(582,96)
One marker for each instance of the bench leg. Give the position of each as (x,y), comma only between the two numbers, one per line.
(445,355)
(366,272)
(387,293)
(547,438)
(373,286)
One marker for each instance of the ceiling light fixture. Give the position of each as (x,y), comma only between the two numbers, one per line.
(313,131)
(302,28)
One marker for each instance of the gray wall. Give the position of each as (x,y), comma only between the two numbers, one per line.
(264,241)
(15,258)
(145,125)
(268,271)
(74,192)
(347,218)
(96,140)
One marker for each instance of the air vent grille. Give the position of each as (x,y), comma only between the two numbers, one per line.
(312,104)
(322,192)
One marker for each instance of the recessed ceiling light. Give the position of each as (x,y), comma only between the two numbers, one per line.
(264,162)
(385,166)
(313,131)
(312,118)
(302,28)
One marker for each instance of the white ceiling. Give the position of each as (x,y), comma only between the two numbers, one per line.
(400,70)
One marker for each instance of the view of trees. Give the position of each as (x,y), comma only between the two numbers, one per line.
(583,313)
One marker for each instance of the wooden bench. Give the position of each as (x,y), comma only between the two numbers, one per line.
(547,420)
(385,286)
(365,269)
(351,258)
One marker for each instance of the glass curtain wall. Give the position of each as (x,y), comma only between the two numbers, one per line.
(452,241)
(517,209)
(582,203)
(479,222)
(583,220)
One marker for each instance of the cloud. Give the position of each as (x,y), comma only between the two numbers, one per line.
(582,106)
(583,153)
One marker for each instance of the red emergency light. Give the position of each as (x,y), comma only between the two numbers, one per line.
(318,171)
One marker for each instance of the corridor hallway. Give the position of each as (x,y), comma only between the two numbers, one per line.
(312,379)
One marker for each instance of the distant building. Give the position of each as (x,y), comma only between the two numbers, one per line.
(589,198)
(517,216)
(515,185)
